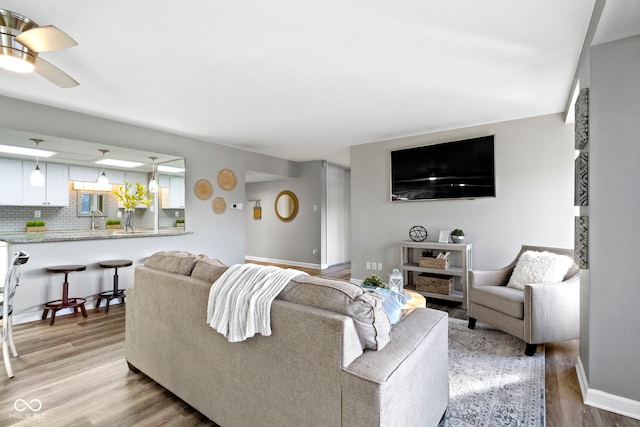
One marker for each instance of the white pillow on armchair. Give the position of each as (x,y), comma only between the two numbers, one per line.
(539,267)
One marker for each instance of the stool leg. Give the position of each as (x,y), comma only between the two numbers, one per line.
(53,316)
(84,311)
(44,313)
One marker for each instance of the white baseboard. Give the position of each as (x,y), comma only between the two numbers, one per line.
(285,262)
(603,400)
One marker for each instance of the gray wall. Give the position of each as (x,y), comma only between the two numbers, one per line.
(614,227)
(293,242)
(325,228)
(534,205)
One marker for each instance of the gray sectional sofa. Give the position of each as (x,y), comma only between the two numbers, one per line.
(332,359)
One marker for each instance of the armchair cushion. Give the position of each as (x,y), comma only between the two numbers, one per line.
(503,299)
(539,267)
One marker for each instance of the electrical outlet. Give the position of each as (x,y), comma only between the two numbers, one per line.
(368,265)
(177,214)
(36,214)
(380,266)
(119,214)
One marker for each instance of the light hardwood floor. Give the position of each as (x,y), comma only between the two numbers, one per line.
(76,371)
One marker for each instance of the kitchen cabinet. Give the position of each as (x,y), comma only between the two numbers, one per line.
(171,191)
(55,191)
(134,177)
(89,174)
(10,182)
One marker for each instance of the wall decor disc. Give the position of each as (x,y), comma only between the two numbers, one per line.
(219,205)
(227,179)
(203,189)
(418,233)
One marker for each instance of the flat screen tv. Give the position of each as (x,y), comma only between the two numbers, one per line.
(453,170)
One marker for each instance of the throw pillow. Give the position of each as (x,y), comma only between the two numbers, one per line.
(176,262)
(539,267)
(208,270)
(393,302)
(365,308)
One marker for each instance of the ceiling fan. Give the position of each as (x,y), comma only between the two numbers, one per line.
(21,40)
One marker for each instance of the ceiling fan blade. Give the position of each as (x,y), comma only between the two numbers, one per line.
(45,39)
(54,74)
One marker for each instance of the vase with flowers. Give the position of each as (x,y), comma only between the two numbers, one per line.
(130,197)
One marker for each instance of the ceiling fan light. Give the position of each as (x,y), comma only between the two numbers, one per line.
(37,177)
(16,61)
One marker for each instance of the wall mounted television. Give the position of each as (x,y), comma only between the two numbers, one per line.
(462,169)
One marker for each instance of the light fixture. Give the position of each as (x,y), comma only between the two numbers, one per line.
(24,151)
(37,177)
(169,169)
(14,56)
(153,183)
(102,179)
(119,163)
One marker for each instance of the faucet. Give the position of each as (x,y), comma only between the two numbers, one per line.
(94,213)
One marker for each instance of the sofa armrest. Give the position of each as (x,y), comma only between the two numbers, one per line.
(552,311)
(406,383)
(497,277)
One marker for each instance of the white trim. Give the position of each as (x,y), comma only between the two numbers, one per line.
(285,262)
(603,400)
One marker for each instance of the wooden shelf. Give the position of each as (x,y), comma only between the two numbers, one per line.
(409,256)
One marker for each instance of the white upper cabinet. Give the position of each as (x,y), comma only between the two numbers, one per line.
(176,192)
(10,182)
(55,191)
(172,191)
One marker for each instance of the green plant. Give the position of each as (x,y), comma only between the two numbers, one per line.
(131,198)
(35,223)
(428,253)
(373,280)
(113,222)
(457,232)
(179,220)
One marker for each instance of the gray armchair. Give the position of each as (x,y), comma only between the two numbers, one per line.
(539,314)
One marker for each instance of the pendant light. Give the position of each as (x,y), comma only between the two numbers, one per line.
(103,181)
(37,177)
(153,183)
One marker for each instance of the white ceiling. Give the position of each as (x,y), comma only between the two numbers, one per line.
(305,80)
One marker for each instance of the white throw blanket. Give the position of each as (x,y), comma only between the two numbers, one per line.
(240,300)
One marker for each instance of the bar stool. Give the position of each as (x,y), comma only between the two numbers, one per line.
(65,302)
(115,293)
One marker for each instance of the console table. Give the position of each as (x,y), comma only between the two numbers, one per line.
(461,263)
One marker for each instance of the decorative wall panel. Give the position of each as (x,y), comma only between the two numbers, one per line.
(582,119)
(581,196)
(581,244)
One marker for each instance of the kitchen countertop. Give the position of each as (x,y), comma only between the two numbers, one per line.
(75,235)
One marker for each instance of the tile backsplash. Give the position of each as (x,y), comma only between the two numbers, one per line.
(14,218)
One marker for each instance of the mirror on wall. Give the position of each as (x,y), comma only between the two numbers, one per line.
(88,202)
(286,206)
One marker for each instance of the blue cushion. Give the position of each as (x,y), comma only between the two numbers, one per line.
(393,302)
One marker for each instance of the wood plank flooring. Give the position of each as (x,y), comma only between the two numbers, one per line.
(76,370)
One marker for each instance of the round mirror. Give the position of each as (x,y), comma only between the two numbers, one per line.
(286,206)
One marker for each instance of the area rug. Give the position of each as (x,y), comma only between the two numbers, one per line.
(491,381)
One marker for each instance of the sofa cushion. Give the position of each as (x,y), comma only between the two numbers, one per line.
(504,299)
(176,262)
(539,267)
(208,270)
(365,308)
